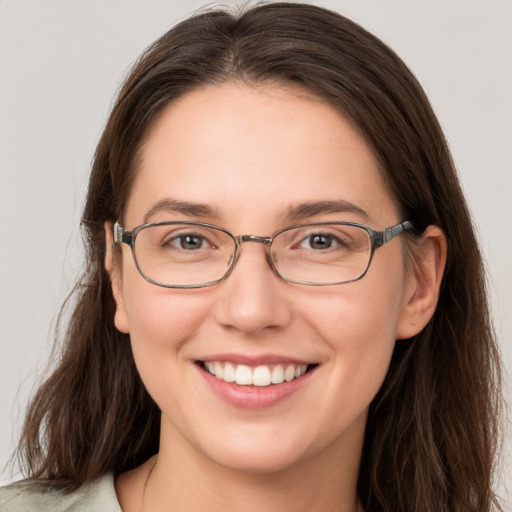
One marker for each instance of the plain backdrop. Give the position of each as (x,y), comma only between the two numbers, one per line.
(61,62)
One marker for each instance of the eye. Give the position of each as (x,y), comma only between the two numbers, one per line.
(320,241)
(187,242)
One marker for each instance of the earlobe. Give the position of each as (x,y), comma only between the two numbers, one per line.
(114,271)
(424,283)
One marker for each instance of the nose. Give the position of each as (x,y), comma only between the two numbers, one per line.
(253,298)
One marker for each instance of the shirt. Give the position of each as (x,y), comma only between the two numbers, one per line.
(30,496)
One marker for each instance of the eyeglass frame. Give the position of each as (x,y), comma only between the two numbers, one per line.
(377,239)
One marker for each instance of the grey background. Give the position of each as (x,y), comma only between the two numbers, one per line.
(60,65)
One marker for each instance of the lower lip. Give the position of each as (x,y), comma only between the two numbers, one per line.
(254,397)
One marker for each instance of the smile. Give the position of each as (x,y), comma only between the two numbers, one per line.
(260,376)
(255,382)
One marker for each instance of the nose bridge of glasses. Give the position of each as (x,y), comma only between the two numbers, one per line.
(240,239)
(253,238)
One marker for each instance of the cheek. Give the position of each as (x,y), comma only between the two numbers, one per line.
(357,316)
(359,325)
(160,322)
(163,320)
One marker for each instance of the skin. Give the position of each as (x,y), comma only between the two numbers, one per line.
(251,154)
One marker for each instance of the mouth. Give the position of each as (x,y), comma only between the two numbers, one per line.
(256,376)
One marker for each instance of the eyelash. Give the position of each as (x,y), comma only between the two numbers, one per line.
(168,242)
(331,238)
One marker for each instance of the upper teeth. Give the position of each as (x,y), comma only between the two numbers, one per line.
(259,376)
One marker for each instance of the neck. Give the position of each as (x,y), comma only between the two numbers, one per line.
(184,479)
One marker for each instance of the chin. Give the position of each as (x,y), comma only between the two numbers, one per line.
(259,452)
(259,463)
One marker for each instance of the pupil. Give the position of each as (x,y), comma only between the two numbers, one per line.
(190,242)
(320,242)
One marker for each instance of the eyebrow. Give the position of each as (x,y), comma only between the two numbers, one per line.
(295,213)
(188,208)
(311,209)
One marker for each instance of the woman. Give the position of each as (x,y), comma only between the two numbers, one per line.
(284,305)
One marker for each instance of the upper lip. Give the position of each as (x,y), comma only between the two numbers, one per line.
(254,360)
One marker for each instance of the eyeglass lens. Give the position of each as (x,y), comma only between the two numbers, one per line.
(192,255)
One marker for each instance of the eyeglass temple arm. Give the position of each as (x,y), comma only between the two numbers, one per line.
(385,236)
(121,236)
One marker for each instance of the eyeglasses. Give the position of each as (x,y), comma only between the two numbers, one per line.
(194,254)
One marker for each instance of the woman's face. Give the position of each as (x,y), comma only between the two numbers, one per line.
(257,159)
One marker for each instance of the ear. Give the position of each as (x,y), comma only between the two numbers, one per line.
(423,283)
(116,280)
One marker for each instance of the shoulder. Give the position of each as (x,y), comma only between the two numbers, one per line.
(33,496)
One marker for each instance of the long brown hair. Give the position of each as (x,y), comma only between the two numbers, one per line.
(432,430)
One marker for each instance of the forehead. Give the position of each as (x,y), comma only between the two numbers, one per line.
(243,149)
